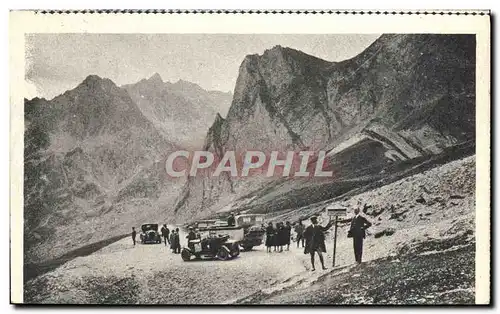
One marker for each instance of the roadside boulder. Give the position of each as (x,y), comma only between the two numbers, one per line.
(420,200)
(386,232)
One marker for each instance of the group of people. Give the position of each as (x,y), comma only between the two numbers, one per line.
(312,237)
(172,238)
(278,236)
(175,241)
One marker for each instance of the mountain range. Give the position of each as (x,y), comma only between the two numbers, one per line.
(94,155)
(95,158)
(404,97)
(189,110)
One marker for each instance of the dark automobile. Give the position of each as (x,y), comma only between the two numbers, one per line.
(253,232)
(214,246)
(150,234)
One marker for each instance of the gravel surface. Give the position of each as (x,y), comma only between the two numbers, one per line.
(440,278)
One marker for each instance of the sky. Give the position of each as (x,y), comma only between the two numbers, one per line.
(59,62)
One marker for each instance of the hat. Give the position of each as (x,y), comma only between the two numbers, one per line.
(314,218)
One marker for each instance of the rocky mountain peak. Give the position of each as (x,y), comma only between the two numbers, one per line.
(93,78)
(186,86)
(405,96)
(218,122)
(93,83)
(155,78)
(218,117)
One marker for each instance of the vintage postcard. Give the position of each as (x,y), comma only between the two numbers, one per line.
(189,158)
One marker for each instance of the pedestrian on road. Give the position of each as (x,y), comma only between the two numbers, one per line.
(172,241)
(315,240)
(299,230)
(165,233)
(282,233)
(134,233)
(288,235)
(270,233)
(177,242)
(231,221)
(357,232)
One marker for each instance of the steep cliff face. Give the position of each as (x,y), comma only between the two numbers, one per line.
(178,110)
(93,167)
(405,96)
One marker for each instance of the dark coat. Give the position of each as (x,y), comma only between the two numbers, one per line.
(288,234)
(315,238)
(174,241)
(191,236)
(281,238)
(299,229)
(358,226)
(270,234)
(164,231)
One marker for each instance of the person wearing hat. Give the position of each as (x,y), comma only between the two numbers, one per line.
(315,240)
(177,241)
(270,234)
(134,234)
(165,233)
(357,232)
(191,236)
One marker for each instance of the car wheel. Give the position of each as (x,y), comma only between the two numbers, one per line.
(223,254)
(186,255)
(236,251)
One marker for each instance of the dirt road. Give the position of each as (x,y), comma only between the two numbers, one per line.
(151,273)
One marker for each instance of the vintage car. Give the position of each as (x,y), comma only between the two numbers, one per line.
(253,232)
(248,230)
(150,234)
(217,244)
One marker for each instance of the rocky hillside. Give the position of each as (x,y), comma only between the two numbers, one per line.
(421,220)
(93,169)
(181,111)
(405,97)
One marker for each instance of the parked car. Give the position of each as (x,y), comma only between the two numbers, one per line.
(247,231)
(253,232)
(150,234)
(216,245)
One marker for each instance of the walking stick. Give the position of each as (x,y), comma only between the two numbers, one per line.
(335,241)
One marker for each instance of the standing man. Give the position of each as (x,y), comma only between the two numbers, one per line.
(134,233)
(357,232)
(231,221)
(165,232)
(315,240)
(299,230)
(172,241)
(177,241)
(288,234)
(270,233)
(281,236)
(191,236)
